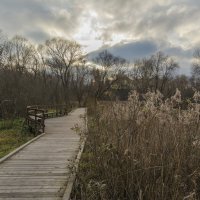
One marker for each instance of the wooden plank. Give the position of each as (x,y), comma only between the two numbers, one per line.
(28,194)
(41,169)
(27,198)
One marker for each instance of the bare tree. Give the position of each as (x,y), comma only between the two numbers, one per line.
(164,68)
(106,72)
(153,73)
(143,74)
(1,48)
(21,53)
(196,63)
(44,68)
(62,55)
(5,47)
(196,69)
(81,82)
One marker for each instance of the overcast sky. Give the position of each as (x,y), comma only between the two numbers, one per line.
(128,28)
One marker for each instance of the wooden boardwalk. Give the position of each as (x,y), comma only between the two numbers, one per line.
(40,171)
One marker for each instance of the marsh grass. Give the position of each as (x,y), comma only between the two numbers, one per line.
(147,148)
(12,135)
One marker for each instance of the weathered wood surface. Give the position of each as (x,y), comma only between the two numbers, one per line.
(41,171)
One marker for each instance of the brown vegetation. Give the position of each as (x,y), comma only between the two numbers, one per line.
(142,149)
(58,72)
(145,148)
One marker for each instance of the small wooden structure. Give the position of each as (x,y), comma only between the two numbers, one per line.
(36,115)
(35,119)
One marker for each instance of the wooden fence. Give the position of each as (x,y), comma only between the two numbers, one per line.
(36,115)
(35,119)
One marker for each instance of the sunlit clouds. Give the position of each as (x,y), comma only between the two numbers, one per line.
(96,24)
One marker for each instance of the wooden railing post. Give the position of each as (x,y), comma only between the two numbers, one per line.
(27,121)
(35,115)
(43,118)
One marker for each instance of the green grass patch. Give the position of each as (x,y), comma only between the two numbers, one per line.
(12,135)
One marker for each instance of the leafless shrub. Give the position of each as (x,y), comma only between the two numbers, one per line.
(147,149)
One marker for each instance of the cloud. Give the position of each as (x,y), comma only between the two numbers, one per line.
(134,50)
(37,36)
(39,18)
(145,26)
(131,50)
(174,20)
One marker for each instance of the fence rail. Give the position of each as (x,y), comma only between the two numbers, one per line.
(35,119)
(36,115)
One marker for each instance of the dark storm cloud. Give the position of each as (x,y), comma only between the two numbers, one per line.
(145,48)
(130,51)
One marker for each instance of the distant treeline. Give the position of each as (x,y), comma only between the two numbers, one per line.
(59,72)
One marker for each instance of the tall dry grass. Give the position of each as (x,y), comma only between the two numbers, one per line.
(147,149)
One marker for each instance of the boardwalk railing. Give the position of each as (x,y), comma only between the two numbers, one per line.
(35,119)
(36,115)
(39,171)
